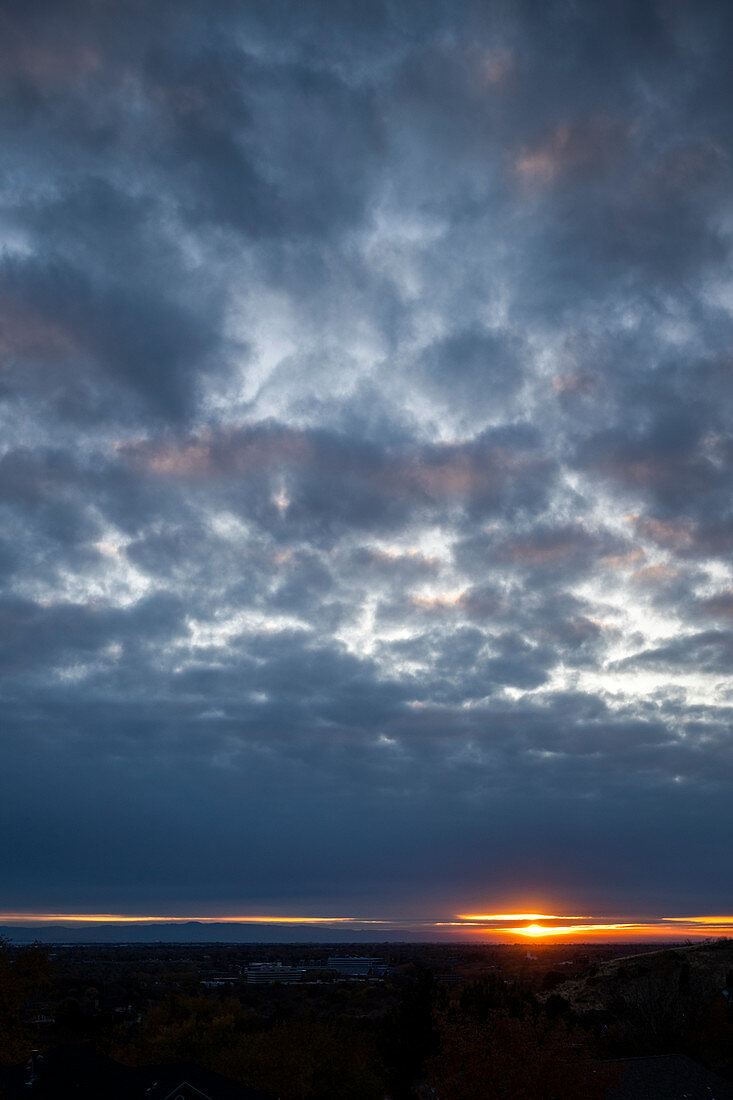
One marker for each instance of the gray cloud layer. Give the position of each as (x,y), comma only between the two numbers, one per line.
(366,461)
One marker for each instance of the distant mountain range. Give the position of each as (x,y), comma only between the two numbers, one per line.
(196,932)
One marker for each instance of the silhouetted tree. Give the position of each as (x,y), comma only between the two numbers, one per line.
(410,1032)
(24,975)
(508,1057)
(490,994)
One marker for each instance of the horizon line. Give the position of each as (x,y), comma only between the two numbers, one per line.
(476,927)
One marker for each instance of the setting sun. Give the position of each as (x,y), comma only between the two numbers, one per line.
(532,930)
(539,930)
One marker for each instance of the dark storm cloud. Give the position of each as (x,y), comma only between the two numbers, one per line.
(546,551)
(668,463)
(59,320)
(366,462)
(708,651)
(720,606)
(298,483)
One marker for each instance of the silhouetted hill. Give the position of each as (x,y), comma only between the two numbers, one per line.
(654,980)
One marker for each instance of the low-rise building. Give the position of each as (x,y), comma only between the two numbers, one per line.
(266,973)
(355,965)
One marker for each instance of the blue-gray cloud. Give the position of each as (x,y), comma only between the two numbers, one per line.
(366,457)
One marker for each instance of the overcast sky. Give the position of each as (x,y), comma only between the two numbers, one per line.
(366,456)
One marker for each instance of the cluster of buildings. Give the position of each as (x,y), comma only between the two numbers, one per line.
(347,966)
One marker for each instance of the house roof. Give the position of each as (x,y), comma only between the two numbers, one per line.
(669,1077)
(80,1072)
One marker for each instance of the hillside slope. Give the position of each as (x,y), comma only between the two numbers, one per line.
(693,972)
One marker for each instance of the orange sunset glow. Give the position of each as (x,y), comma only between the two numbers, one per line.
(118,918)
(517,916)
(366,590)
(550,926)
(497,927)
(701,920)
(544,930)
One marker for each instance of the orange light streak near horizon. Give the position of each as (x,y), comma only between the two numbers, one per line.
(700,920)
(626,930)
(118,918)
(518,916)
(537,930)
(658,928)
(490,927)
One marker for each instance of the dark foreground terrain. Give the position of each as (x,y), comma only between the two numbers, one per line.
(303,1021)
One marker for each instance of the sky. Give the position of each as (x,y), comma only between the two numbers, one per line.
(366,460)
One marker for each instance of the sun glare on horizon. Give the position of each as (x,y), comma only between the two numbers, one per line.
(491,927)
(548,926)
(516,916)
